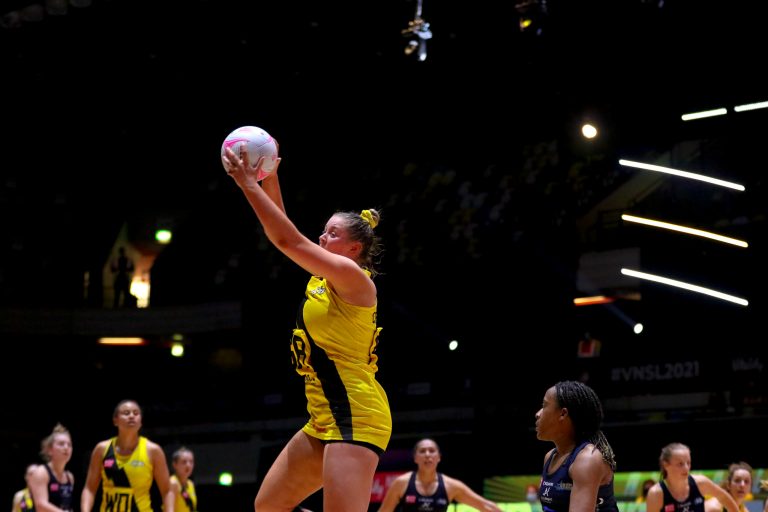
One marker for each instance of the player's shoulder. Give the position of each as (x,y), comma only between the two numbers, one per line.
(452,483)
(405,477)
(655,490)
(400,483)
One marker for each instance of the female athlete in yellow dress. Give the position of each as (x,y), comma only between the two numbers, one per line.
(333,348)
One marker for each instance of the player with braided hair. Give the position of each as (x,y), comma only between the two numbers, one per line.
(578,471)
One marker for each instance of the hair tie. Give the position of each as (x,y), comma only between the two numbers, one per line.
(368,217)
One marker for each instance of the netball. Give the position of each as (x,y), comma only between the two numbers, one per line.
(258,143)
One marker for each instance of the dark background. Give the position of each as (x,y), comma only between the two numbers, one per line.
(113,115)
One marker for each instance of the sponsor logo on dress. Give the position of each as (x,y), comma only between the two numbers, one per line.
(544,496)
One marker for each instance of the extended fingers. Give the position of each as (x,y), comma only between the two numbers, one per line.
(245,160)
(227,165)
(232,161)
(230,156)
(228,161)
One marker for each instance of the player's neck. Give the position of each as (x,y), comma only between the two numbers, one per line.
(58,470)
(125,445)
(426,476)
(677,486)
(564,448)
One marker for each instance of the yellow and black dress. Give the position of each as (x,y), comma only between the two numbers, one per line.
(334,350)
(126,480)
(27,504)
(186,500)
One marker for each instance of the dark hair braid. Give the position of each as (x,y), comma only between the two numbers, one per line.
(586,413)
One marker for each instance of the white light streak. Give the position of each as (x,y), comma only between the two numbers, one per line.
(684,229)
(751,106)
(705,113)
(685,286)
(684,174)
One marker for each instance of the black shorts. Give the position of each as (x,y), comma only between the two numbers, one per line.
(378,451)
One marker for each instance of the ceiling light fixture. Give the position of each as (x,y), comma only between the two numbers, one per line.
(418,33)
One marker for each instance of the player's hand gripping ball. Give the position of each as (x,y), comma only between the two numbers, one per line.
(258,143)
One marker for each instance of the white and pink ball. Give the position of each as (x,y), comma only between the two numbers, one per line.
(258,143)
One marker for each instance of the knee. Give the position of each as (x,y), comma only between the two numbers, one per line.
(260,505)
